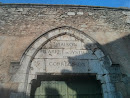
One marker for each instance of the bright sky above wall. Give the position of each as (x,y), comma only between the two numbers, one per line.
(107,3)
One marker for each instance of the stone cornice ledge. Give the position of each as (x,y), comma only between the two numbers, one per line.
(60,5)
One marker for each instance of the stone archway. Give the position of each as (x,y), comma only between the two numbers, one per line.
(97,61)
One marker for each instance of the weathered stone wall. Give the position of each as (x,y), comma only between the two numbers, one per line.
(21,24)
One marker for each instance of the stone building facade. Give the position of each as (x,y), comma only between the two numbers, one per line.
(64,40)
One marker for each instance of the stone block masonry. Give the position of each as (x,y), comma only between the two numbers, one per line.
(21,24)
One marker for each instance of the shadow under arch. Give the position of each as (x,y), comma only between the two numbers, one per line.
(32,50)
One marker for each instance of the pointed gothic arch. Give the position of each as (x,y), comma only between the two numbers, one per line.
(102,72)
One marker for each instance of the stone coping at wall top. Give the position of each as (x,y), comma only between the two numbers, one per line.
(61,5)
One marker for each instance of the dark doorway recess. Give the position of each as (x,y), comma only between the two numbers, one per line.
(66,86)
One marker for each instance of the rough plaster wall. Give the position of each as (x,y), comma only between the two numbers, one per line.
(21,24)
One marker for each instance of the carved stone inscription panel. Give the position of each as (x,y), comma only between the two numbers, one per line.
(65,54)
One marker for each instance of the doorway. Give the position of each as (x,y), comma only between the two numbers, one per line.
(66,86)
